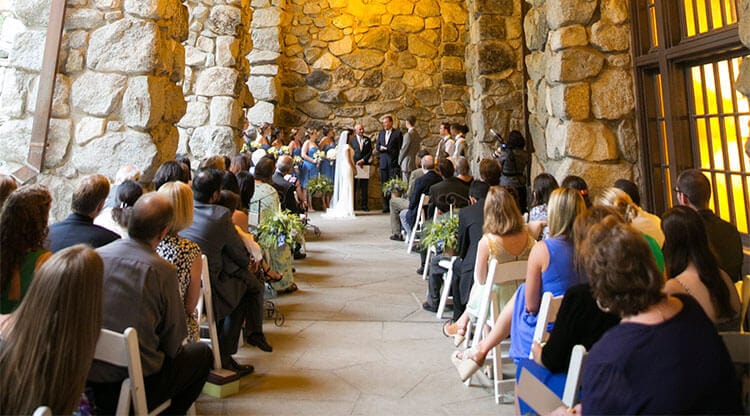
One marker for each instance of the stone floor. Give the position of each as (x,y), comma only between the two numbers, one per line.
(355,340)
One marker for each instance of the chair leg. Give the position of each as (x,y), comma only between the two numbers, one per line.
(426,265)
(444,294)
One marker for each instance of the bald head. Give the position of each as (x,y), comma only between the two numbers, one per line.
(428,163)
(151,216)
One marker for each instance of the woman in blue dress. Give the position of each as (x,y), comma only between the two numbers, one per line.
(550,269)
(309,164)
(328,166)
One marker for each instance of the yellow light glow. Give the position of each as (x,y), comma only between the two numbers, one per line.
(707,15)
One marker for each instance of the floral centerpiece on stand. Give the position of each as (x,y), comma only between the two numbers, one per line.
(395,187)
(320,185)
(443,234)
(282,228)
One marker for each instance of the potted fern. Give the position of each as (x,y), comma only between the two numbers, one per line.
(394,187)
(443,235)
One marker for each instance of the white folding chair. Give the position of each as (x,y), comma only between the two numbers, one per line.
(122,350)
(540,398)
(447,281)
(213,336)
(42,411)
(419,222)
(547,314)
(431,251)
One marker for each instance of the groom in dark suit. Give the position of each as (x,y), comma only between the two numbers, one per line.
(389,145)
(362,157)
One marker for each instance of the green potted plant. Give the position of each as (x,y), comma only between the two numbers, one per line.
(443,235)
(395,188)
(282,228)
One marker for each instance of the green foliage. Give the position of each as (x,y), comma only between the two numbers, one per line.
(320,185)
(442,234)
(283,228)
(395,184)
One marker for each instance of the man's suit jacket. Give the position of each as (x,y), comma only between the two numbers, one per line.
(413,176)
(726,242)
(213,231)
(389,158)
(470,223)
(450,191)
(409,149)
(77,229)
(286,193)
(364,153)
(421,186)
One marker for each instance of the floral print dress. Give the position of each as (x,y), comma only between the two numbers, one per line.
(182,253)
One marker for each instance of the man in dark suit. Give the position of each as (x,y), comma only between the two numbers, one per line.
(284,186)
(421,186)
(363,158)
(87,202)
(451,191)
(389,145)
(237,294)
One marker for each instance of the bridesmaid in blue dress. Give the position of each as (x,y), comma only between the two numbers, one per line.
(309,166)
(328,167)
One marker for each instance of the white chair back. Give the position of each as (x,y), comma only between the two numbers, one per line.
(573,381)
(424,200)
(540,398)
(447,281)
(42,411)
(213,335)
(547,314)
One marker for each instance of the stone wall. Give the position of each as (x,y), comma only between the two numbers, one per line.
(215,74)
(348,60)
(743,81)
(269,17)
(580,90)
(496,77)
(114,102)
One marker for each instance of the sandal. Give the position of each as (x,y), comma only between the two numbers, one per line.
(459,337)
(466,364)
(450,328)
(270,274)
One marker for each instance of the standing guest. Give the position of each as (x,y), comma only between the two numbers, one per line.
(665,356)
(184,254)
(460,147)
(388,145)
(692,268)
(79,227)
(116,219)
(278,138)
(48,344)
(409,148)
(23,232)
(647,223)
(240,163)
(579,184)
(125,173)
(446,144)
(263,136)
(141,291)
(327,143)
(7,185)
(237,294)
(401,203)
(514,159)
(362,158)
(543,185)
(309,164)
(170,171)
(694,190)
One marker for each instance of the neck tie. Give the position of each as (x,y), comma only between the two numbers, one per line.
(387,136)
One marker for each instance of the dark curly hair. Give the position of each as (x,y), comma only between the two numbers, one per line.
(23,227)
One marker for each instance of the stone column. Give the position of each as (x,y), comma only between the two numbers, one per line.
(116,93)
(496,71)
(263,82)
(581,94)
(214,78)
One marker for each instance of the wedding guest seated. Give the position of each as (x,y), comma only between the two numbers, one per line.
(23,232)
(125,173)
(47,345)
(692,268)
(184,254)
(550,269)
(240,163)
(421,186)
(463,171)
(542,188)
(451,191)
(579,184)
(665,356)
(184,160)
(116,219)
(646,222)
(213,162)
(169,172)
(141,291)
(79,227)
(398,204)
(694,190)
(7,185)
(237,294)
(288,187)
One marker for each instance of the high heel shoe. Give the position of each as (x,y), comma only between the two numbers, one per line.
(452,329)
(465,364)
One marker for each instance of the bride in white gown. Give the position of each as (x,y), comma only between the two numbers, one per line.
(342,202)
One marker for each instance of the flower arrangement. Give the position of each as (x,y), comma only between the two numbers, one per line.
(443,234)
(274,151)
(284,150)
(396,185)
(320,185)
(283,228)
(249,147)
(297,161)
(331,155)
(318,156)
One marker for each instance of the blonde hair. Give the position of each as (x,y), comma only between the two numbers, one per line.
(501,213)
(620,201)
(563,207)
(49,344)
(181,197)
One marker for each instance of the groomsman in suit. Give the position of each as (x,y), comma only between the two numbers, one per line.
(409,148)
(363,158)
(389,145)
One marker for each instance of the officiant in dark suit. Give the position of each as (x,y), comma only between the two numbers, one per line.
(362,158)
(389,145)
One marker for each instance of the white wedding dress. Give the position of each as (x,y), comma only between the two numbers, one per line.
(342,201)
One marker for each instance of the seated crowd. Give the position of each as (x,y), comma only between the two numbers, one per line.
(647,296)
(130,256)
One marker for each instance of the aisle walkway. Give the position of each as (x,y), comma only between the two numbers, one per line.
(355,341)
